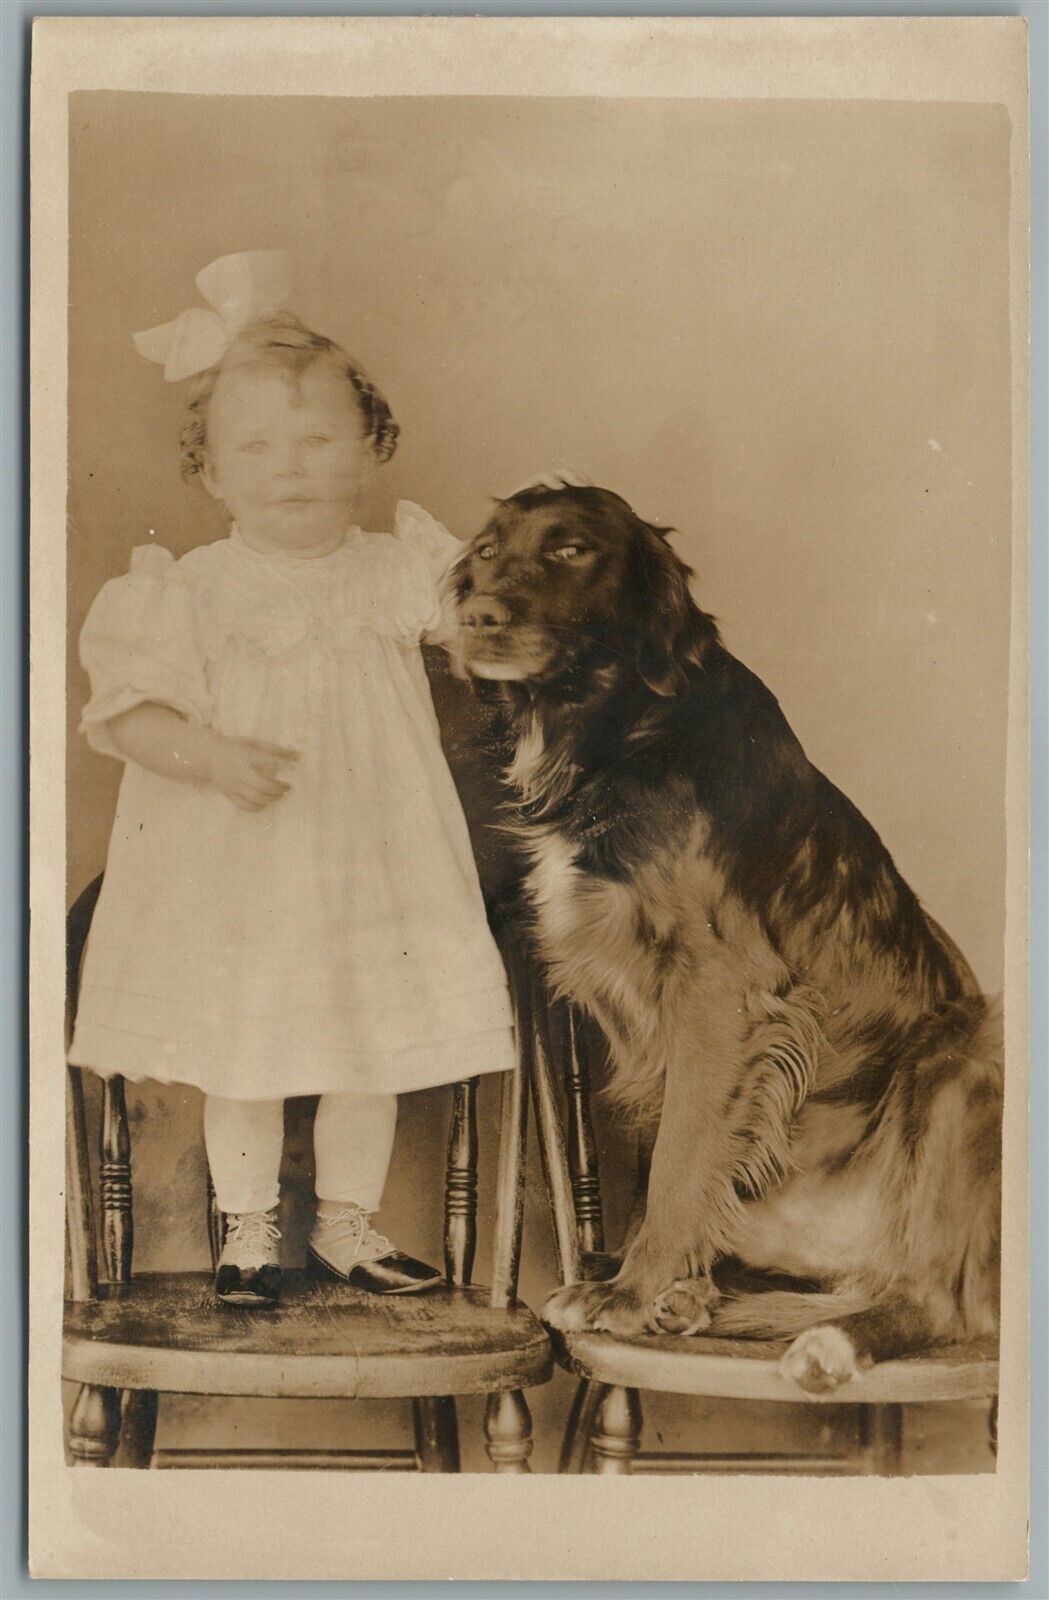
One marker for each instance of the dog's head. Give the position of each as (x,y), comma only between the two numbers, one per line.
(563,582)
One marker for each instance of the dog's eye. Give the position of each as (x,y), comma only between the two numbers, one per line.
(485,552)
(567,552)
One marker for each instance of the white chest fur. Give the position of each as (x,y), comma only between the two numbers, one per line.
(524,770)
(587,924)
(555,881)
(555,885)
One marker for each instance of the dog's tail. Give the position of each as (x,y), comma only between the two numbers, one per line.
(781,1313)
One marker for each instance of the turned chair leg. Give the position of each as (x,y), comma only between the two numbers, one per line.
(617,1433)
(436,1433)
(94,1427)
(508,1431)
(881,1439)
(138,1428)
(575,1447)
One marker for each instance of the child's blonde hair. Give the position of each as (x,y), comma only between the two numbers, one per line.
(287,344)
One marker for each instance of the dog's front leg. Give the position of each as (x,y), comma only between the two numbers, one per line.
(664,1282)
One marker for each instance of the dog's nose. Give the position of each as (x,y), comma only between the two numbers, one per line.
(484,611)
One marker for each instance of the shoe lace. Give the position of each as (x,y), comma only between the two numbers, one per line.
(255,1234)
(353,1225)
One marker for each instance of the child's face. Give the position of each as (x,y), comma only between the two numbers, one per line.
(286,455)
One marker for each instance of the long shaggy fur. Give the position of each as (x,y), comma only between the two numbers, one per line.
(824,1075)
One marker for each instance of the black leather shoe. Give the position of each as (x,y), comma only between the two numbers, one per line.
(395,1273)
(249,1267)
(248,1286)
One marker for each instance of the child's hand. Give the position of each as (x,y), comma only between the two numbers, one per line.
(245,771)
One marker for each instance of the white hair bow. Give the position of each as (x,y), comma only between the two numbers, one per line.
(240,289)
(552,478)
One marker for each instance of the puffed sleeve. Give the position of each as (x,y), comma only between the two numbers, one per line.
(141,643)
(430,550)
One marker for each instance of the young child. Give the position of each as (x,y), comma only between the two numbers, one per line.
(291,904)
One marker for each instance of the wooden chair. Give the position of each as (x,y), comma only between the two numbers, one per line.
(130,1338)
(603,1433)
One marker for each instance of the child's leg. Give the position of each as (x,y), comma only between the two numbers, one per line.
(352,1145)
(244,1140)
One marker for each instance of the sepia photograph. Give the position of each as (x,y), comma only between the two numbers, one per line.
(539,577)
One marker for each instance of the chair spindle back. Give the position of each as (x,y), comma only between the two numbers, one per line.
(513,1131)
(114,1182)
(460,1186)
(582,1147)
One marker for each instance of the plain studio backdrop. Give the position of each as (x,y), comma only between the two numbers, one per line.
(779,327)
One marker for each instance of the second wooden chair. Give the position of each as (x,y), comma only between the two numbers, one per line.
(604,1427)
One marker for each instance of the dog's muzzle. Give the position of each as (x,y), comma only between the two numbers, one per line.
(492,644)
(484,612)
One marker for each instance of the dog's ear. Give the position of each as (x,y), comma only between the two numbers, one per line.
(454,587)
(457,583)
(671,633)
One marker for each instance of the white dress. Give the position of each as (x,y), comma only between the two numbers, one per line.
(336,941)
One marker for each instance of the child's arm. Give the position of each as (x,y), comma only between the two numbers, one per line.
(162,741)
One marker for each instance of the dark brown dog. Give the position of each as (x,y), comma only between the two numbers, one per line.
(824,1074)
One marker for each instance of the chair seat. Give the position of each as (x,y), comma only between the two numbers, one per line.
(167,1332)
(748,1369)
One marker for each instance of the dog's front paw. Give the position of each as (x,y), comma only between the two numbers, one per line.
(686,1307)
(820,1360)
(598,1307)
(566,1308)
